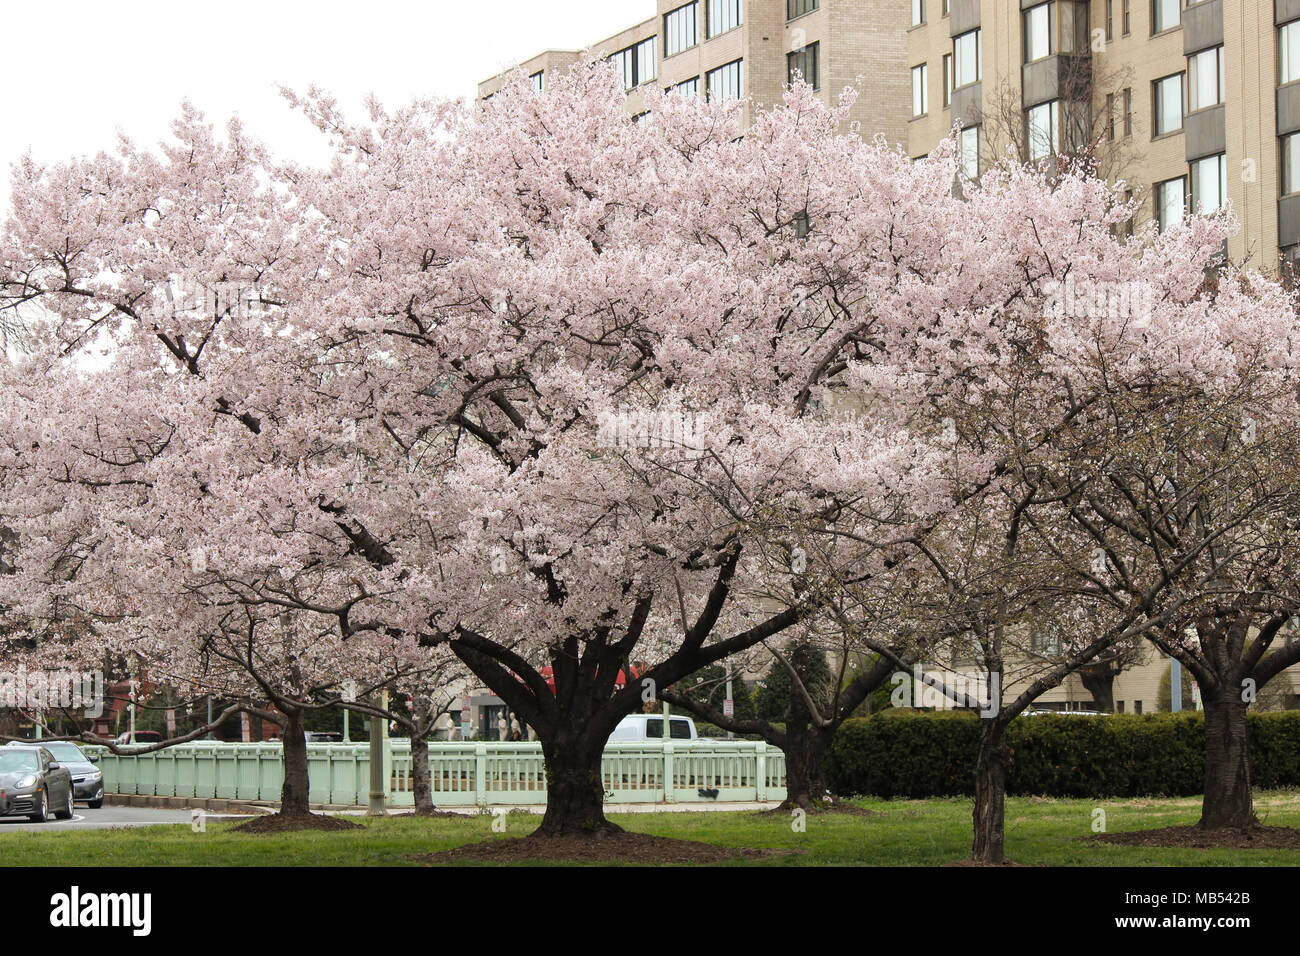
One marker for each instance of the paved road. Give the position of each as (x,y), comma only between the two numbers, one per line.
(105,818)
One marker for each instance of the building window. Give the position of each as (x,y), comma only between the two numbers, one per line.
(1110,117)
(680,29)
(968,142)
(726,82)
(1288,53)
(797,8)
(1043,130)
(1127,98)
(724,15)
(1290,164)
(943,8)
(1205,79)
(967,68)
(689,87)
(918,12)
(1164,15)
(638,63)
(920,96)
(1167,104)
(1127,16)
(1209,183)
(1171,202)
(804,62)
(538,80)
(947,79)
(1110,20)
(1040,31)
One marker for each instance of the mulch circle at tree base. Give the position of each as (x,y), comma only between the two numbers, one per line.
(279,823)
(610,848)
(978,863)
(1247,838)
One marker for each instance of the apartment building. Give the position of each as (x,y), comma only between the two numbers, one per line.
(738,48)
(1191,103)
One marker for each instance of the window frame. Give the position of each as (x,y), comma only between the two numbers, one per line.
(739,66)
(807,7)
(1289,143)
(735,6)
(1029,30)
(921,73)
(1193,104)
(1053,108)
(670,30)
(963,157)
(1157,113)
(957,61)
(1161,204)
(632,62)
(1194,187)
(808,49)
(1283,57)
(1156,6)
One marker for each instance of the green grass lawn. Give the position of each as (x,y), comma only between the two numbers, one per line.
(1041,831)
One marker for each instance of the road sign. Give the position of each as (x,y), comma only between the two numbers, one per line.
(728,708)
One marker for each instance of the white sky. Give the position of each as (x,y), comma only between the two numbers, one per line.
(79,71)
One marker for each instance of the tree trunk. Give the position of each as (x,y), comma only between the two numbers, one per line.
(1228,801)
(805,766)
(990,793)
(1101,685)
(421,785)
(293,795)
(575,792)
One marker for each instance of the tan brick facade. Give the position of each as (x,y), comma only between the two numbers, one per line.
(861,43)
(1131,60)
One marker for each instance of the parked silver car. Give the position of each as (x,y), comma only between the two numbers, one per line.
(33,784)
(87,779)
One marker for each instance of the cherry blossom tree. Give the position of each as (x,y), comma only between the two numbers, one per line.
(517,382)
(1064,342)
(541,386)
(1204,488)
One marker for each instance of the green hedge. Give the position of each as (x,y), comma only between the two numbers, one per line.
(908,754)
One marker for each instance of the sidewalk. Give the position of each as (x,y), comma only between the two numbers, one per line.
(248,806)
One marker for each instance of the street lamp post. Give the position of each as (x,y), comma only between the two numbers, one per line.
(378,732)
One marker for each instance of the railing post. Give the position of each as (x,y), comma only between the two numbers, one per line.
(760,771)
(388,771)
(669,796)
(480,775)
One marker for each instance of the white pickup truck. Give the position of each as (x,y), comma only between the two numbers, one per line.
(638,727)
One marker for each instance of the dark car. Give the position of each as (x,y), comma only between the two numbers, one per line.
(33,783)
(87,779)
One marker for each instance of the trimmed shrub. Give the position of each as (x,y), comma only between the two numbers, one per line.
(910,754)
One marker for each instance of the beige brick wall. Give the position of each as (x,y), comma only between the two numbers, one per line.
(861,43)
(1135,60)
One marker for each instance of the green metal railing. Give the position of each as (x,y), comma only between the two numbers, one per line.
(461,774)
